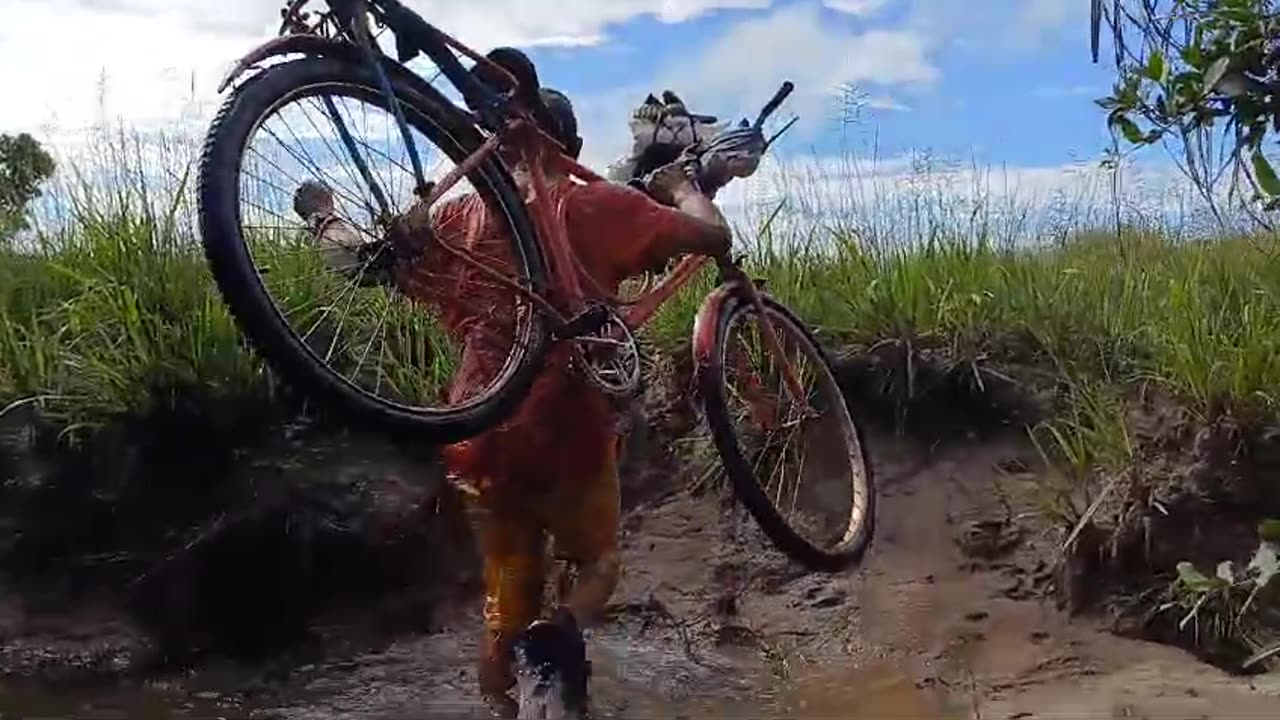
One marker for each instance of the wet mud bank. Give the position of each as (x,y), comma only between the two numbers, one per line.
(1191,508)
(307,571)
(951,616)
(167,543)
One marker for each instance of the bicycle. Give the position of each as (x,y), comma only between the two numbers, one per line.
(340,62)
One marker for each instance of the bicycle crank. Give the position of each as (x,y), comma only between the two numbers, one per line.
(607,353)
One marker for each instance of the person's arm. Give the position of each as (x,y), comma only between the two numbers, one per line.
(642,232)
(702,231)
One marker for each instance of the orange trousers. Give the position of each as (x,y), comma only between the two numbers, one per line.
(581,516)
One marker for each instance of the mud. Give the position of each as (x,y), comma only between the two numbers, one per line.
(951,616)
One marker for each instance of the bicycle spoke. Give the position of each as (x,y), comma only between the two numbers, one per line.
(346,168)
(350,141)
(372,321)
(778,467)
(351,223)
(381,328)
(795,495)
(333,185)
(330,181)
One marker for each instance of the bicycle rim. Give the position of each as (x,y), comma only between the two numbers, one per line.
(798,464)
(389,347)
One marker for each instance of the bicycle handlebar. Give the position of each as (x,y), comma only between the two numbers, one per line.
(775,102)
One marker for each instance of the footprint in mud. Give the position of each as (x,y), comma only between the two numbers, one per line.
(824,597)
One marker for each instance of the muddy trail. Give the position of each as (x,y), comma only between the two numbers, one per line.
(950,616)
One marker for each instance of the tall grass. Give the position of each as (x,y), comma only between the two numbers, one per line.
(1202,317)
(108,310)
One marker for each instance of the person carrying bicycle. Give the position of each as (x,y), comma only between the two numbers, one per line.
(551,469)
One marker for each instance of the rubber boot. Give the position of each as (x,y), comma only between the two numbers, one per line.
(552,668)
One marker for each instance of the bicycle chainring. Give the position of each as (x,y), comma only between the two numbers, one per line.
(609,357)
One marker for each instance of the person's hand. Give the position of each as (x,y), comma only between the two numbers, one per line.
(667,182)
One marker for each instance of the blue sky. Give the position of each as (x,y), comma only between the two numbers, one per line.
(1005,86)
(1008,81)
(1003,99)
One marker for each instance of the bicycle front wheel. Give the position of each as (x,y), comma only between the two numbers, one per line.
(796,463)
(304,178)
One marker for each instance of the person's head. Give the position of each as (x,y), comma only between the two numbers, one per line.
(560,109)
(561,123)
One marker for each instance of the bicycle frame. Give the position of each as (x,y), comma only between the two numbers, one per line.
(515,126)
(563,263)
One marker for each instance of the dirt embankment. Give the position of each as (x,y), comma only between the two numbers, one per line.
(953,614)
(950,617)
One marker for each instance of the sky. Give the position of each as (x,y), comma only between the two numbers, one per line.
(1004,84)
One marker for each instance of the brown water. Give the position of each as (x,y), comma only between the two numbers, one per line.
(132,701)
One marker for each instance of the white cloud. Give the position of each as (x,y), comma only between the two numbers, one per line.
(886,103)
(519,22)
(999,25)
(741,68)
(163,58)
(856,7)
(1038,16)
(69,64)
(744,66)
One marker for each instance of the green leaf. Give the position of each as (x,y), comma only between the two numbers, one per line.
(1266,174)
(1192,55)
(1215,73)
(1127,127)
(1265,563)
(1226,571)
(1156,67)
(1269,530)
(1193,579)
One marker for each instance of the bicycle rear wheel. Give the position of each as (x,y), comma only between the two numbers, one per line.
(317,133)
(797,464)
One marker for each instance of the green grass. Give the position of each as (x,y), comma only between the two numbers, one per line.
(107,314)
(1203,317)
(120,304)
(103,318)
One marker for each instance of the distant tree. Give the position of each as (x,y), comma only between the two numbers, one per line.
(24,165)
(1201,77)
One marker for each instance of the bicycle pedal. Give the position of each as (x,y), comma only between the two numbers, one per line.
(583,323)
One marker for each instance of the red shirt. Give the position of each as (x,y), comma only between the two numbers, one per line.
(562,429)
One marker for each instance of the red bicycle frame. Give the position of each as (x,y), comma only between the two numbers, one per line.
(535,146)
(564,269)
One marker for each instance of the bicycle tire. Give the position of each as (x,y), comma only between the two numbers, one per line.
(256,314)
(713,384)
